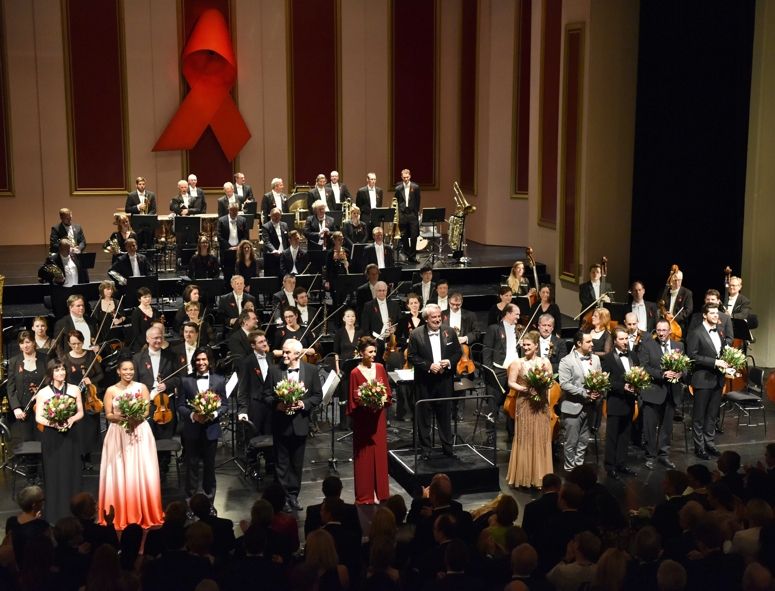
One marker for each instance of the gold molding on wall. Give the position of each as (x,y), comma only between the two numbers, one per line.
(7,105)
(517,68)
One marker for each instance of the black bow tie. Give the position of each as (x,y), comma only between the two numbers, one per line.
(586,357)
(293,370)
(433,334)
(713,330)
(625,354)
(203,376)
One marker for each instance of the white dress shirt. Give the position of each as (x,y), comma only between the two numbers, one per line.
(373,197)
(443,303)
(71,271)
(262,363)
(640,311)
(278,231)
(81,325)
(335,189)
(233,240)
(435,339)
(135,265)
(278,200)
(155,360)
(511,341)
(455,319)
(379,249)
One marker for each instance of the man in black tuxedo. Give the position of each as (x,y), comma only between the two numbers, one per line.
(320,193)
(319,227)
(426,287)
(274,198)
(659,399)
(294,258)
(713,299)
(463,322)
(367,292)
(285,296)
(68,262)
(153,368)
(184,351)
(200,432)
(274,233)
(253,371)
(621,405)
(67,229)
(131,263)
(378,252)
(232,229)
(704,345)
(679,301)
(332,489)
(339,192)
(536,513)
(550,345)
(186,203)
(230,305)
(735,303)
(140,201)
(434,352)
(368,197)
(408,197)
(379,317)
(228,197)
(500,349)
(646,312)
(242,189)
(591,290)
(239,340)
(290,422)
(75,319)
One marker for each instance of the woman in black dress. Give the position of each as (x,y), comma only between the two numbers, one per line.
(29,524)
(547,306)
(407,324)
(496,311)
(345,346)
(517,281)
(104,310)
(203,265)
(79,362)
(337,263)
(142,317)
(118,238)
(247,264)
(43,341)
(291,329)
(60,444)
(354,230)
(25,373)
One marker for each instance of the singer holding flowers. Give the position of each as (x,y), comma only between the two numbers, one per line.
(58,408)
(369,396)
(129,472)
(531,451)
(199,406)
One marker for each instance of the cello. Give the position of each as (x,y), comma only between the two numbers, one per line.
(533,293)
(739,382)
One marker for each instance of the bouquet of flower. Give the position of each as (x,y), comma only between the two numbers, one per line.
(206,403)
(289,392)
(133,408)
(373,394)
(597,381)
(735,358)
(58,409)
(637,377)
(539,379)
(675,361)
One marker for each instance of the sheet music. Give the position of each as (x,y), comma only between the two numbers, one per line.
(231,384)
(405,375)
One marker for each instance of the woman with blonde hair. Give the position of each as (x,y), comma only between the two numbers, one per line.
(320,556)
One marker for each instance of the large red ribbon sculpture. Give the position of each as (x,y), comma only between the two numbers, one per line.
(210,69)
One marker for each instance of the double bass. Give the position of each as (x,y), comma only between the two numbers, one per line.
(676,332)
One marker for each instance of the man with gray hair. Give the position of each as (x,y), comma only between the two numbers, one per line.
(339,192)
(434,352)
(275,198)
(320,192)
(227,199)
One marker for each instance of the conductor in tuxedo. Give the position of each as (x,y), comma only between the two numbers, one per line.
(200,432)
(620,402)
(253,371)
(290,423)
(408,198)
(368,197)
(704,345)
(140,201)
(659,399)
(434,352)
(591,290)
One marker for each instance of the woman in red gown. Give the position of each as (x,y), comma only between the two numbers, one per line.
(369,427)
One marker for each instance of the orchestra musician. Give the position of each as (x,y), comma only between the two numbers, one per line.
(242,189)
(131,263)
(43,342)
(355,231)
(505,297)
(426,287)
(346,340)
(228,198)
(232,229)
(500,349)
(646,312)
(408,197)
(319,227)
(140,201)
(339,192)
(184,351)
(379,316)
(230,305)
(519,284)
(206,333)
(366,292)
(185,203)
(122,234)
(461,321)
(247,264)
(319,193)
(75,320)
(550,346)
(274,198)
(378,252)
(70,264)
(591,290)
(291,329)
(441,297)
(285,297)
(83,371)
(274,233)
(337,264)
(548,306)
(67,229)
(141,318)
(602,342)
(306,310)
(679,301)
(253,371)
(735,303)
(368,197)
(294,258)
(190,294)
(635,336)
(203,264)
(25,372)
(406,324)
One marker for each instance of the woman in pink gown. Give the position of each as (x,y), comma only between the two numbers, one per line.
(129,472)
(370,463)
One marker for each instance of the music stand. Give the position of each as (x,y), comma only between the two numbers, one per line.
(390,275)
(135,283)
(87,259)
(209,289)
(250,208)
(741,330)
(145,226)
(348,284)
(290,220)
(306,281)
(249,220)
(382,215)
(187,229)
(357,256)
(337,215)
(433,216)
(317,259)
(329,388)
(618,310)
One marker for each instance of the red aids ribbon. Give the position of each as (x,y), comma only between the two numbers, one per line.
(210,69)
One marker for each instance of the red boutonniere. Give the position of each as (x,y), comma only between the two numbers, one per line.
(446,335)
(21,369)
(147,366)
(72,368)
(258,371)
(233,304)
(503,336)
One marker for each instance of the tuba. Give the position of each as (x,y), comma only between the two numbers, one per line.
(456,221)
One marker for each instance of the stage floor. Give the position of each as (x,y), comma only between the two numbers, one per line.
(236,495)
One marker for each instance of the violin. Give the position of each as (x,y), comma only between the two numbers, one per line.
(92,404)
(391,346)
(162,415)
(532,294)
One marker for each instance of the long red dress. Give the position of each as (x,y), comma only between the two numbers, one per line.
(369,426)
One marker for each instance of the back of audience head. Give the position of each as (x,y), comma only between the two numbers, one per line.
(758,513)
(84,506)
(382,524)
(690,515)
(588,545)
(105,569)
(507,510)
(440,492)
(382,551)
(68,531)
(261,513)
(397,505)
(332,486)
(671,576)
(647,545)
(30,499)
(524,560)
(699,476)
(255,540)
(728,462)
(756,578)
(675,483)
(515,536)
(571,497)
(585,476)
(708,534)
(551,483)
(199,538)
(200,505)
(721,497)
(332,509)
(176,513)
(444,528)
(320,550)
(611,570)
(275,494)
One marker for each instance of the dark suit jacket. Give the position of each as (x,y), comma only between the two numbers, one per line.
(223,204)
(313,195)
(467,324)
(537,513)
(188,390)
(684,300)
(344,195)
(252,383)
(312,232)
(144,372)
(417,288)
(742,307)
(370,255)
(297,424)
(247,192)
(349,521)
(371,319)
(725,324)
(421,356)
(286,261)
(59,231)
(227,305)
(223,232)
(650,357)
(271,240)
(413,210)
(619,401)
(267,203)
(196,204)
(587,293)
(66,323)
(363,201)
(83,274)
(652,315)
(494,345)
(355,235)
(559,350)
(700,348)
(239,344)
(133,200)
(123,267)
(363,296)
